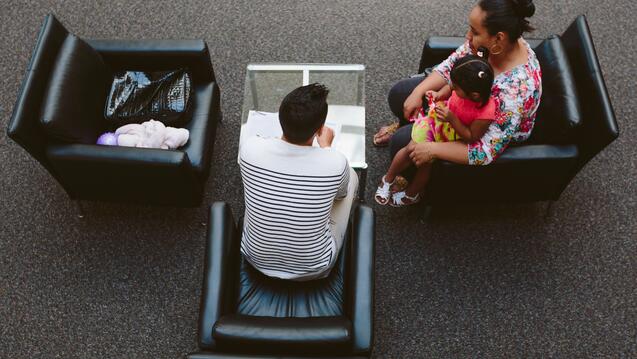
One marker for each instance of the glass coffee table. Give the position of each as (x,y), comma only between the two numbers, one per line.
(267,84)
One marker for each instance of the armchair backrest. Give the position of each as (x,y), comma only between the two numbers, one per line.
(599,126)
(24,126)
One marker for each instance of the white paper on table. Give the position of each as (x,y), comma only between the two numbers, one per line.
(267,125)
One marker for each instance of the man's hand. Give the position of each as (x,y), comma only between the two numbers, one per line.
(325,137)
(422,153)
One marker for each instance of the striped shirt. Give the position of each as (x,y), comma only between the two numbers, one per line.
(289,191)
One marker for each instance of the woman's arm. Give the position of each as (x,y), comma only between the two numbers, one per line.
(413,103)
(441,95)
(438,78)
(425,152)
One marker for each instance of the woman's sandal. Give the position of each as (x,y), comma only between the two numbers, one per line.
(401,199)
(383,192)
(383,136)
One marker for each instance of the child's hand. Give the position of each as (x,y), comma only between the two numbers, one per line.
(433,95)
(443,113)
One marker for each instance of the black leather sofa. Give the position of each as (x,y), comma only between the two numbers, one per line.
(575,122)
(249,315)
(60,113)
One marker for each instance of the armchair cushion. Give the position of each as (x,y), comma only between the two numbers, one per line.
(73,108)
(264,296)
(559,112)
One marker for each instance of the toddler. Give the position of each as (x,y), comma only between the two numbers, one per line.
(466,115)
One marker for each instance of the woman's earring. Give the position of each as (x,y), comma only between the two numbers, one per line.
(493,52)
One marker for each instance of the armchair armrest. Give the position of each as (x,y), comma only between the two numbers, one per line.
(125,174)
(157,55)
(220,269)
(599,126)
(437,48)
(360,280)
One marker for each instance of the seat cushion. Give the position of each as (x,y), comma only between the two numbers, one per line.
(260,295)
(74,101)
(203,355)
(267,335)
(559,113)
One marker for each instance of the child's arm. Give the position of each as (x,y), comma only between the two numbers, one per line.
(469,134)
(441,95)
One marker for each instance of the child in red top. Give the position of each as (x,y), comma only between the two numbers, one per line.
(466,116)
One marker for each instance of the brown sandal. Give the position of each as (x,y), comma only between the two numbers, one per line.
(383,136)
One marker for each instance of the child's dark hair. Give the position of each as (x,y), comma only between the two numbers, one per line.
(473,73)
(303,112)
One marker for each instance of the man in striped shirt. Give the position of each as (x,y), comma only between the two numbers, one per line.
(297,196)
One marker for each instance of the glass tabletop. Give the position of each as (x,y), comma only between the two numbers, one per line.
(267,84)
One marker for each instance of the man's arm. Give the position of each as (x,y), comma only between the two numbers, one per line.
(342,188)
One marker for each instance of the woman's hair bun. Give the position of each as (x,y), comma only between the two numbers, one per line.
(524,8)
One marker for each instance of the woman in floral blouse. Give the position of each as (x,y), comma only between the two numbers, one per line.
(497,25)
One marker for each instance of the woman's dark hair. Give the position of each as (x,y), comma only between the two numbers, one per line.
(473,73)
(508,16)
(303,112)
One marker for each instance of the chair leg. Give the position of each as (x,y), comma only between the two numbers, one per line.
(362,181)
(549,209)
(80,209)
(427,212)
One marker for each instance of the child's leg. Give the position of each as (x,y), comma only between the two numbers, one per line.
(400,163)
(419,181)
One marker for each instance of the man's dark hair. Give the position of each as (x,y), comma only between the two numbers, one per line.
(303,112)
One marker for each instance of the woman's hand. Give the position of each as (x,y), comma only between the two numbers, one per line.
(412,105)
(421,153)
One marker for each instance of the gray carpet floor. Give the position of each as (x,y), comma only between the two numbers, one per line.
(475,281)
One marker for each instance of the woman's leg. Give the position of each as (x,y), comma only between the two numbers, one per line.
(400,139)
(399,93)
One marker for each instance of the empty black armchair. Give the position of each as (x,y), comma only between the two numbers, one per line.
(246,313)
(59,115)
(575,121)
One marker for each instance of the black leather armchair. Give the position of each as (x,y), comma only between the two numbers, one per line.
(575,122)
(249,315)
(60,113)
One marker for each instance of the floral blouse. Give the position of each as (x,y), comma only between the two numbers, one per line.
(517,95)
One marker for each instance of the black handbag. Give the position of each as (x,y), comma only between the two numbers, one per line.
(137,96)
